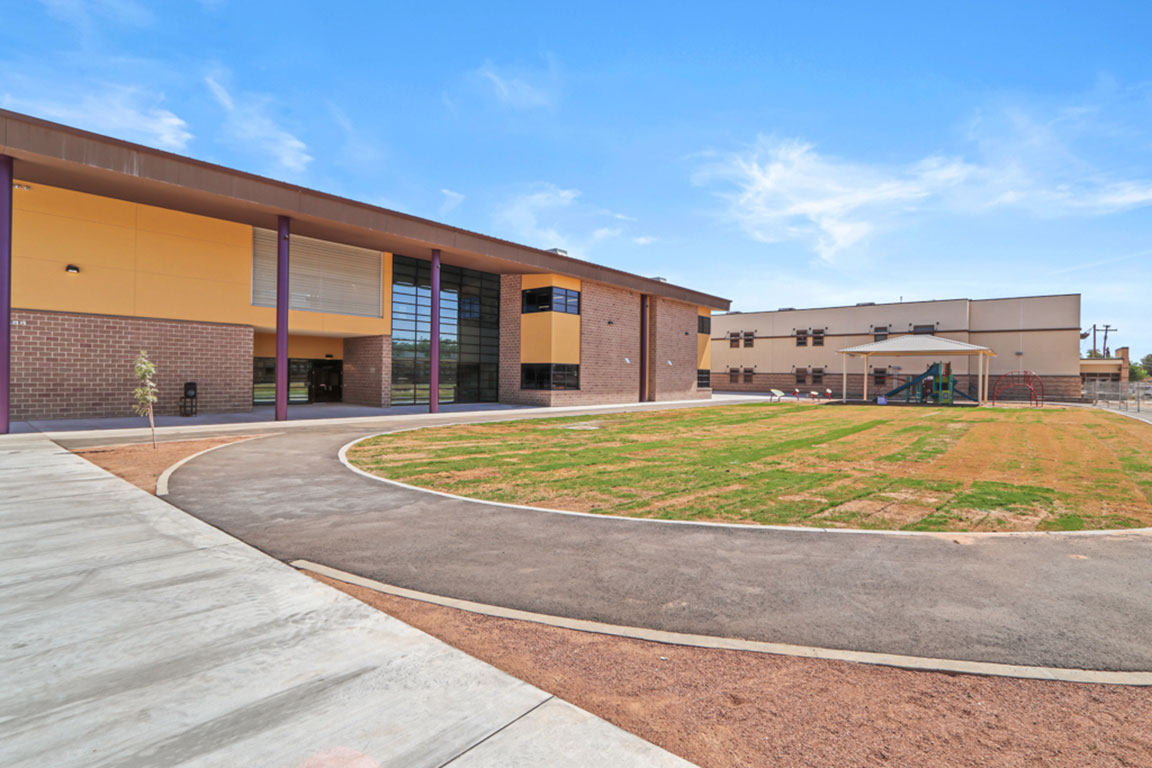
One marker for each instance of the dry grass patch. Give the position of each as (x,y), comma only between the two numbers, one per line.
(934,469)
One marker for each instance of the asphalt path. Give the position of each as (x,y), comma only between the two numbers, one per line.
(1043,600)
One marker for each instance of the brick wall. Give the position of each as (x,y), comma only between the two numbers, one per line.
(368,371)
(67,365)
(1056,388)
(672,339)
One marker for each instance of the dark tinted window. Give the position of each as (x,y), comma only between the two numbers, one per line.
(733,340)
(549,376)
(550,300)
(818,338)
(704,324)
(749,338)
(923,329)
(801,338)
(704,379)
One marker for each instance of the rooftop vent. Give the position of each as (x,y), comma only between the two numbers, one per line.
(786,309)
(558,251)
(660,279)
(865,303)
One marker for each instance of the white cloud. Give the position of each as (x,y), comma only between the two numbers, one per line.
(518,87)
(549,216)
(248,123)
(644,240)
(84,14)
(125,112)
(785,190)
(451,200)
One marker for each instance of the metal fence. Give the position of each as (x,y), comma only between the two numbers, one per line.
(1133,396)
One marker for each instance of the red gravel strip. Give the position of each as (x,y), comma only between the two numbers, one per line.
(735,708)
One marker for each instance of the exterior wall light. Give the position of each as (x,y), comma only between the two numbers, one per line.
(72,268)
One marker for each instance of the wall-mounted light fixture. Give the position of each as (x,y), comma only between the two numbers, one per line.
(329,355)
(72,268)
(23,187)
(610,322)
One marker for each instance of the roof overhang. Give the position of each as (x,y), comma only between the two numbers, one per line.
(61,156)
(915,345)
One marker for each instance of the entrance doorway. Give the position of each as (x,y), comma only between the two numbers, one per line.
(309,381)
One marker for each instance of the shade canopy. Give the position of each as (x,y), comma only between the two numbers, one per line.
(917,344)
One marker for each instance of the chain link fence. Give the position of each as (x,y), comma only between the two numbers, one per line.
(1135,396)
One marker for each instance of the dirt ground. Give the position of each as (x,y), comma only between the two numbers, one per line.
(141,464)
(733,708)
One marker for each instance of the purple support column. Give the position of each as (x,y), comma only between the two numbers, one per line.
(434,353)
(643,348)
(6,180)
(283,301)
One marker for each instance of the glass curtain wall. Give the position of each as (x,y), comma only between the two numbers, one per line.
(469,333)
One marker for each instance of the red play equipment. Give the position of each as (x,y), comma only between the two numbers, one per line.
(1027,379)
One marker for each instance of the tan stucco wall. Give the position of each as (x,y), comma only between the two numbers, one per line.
(1044,328)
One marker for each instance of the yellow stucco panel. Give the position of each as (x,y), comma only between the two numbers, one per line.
(528,282)
(703,352)
(308,347)
(550,337)
(143,261)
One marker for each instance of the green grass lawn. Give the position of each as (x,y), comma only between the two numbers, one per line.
(926,469)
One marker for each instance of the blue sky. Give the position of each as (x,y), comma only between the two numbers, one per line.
(778,154)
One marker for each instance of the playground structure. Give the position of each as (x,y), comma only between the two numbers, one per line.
(1013,379)
(936,385)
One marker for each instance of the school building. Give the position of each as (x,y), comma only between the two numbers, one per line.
(789,349)
(265,292)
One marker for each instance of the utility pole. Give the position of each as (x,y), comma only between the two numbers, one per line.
(1107,328)
(1093,340)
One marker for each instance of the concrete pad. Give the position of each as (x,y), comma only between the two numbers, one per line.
(569,731)
(135,635)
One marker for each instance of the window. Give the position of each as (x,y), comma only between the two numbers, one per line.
(923,329)
(323,276)
(549,376)
(749,339)
(817,376)
(880,377)
(801,376)
(704,324)
(733,375)
(802,338)
(550,299)
(748,374)
(879,333)
(733,340)
(818,337)
(703,379)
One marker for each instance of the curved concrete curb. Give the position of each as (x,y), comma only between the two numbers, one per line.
(343,456)
(1100,677)
(165,476)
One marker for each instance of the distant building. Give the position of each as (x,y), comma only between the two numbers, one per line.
(1111,369)
(791,348)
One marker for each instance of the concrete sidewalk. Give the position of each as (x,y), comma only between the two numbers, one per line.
(135,635)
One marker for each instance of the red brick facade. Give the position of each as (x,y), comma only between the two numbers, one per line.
(609,349)
(672,347)
(67,366)
(368,370)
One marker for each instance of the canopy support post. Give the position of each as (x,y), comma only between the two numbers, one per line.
(844,378)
